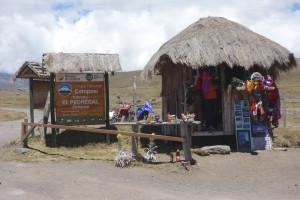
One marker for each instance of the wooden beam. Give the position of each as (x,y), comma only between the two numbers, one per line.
(105,131)
(31,102)
(46,114)
(107,106)
(26,132)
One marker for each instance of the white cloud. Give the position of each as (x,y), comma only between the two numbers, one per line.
(135,29)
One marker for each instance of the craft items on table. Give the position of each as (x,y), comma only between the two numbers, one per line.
(187,117)
(171,118)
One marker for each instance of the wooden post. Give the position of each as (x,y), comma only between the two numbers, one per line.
(107,106)
(24,132)
(134,141)
(31,102)
(284,111)
(52,103)
(135,129)
(46,115)
(184,132)
(134,97)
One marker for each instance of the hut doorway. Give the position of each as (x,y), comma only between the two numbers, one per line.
(204,97)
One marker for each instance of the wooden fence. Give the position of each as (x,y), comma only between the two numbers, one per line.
(184,129)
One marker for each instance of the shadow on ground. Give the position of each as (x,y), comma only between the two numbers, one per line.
(70,138)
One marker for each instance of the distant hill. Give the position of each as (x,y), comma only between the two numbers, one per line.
(121,86)
(121,83)
(289,83)
(6,82)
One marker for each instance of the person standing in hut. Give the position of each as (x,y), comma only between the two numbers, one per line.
(206,79)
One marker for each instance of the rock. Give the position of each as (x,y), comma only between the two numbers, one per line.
(217,149)
(280,149)
(21,150)
(199,152)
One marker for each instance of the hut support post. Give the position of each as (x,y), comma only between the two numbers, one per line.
(107,106)
(31,103)
(185,132)
(53,138)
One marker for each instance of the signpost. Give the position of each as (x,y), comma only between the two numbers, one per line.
(79,98)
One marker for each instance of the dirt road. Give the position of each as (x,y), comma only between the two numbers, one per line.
(268,175)
(10,130)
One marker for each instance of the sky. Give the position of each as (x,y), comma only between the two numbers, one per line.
(134,29)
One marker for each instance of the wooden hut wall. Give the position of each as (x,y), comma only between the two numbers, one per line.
(40,92)
(227,113)
(229,97)
(172,89)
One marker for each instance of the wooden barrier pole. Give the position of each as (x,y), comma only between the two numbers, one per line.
(24,133)
(186,145)
(135,128)
(106,83)
(134,141)
(31,99)
(46,115)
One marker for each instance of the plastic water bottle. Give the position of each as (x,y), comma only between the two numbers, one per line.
(177,155)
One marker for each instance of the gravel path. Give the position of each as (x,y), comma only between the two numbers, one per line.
(268,175)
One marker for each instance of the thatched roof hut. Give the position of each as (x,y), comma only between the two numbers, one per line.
(229,48)
(81,62)
(212,41)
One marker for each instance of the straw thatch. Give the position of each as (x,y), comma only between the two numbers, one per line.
(81,62)
(212,41)
(32,70)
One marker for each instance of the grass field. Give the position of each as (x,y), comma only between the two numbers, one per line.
(9,115)
(14,98)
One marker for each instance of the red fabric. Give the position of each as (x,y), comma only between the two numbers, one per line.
(211,92)
(272,95)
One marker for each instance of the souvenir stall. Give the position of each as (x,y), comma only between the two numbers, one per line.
(246,111)
(257,113)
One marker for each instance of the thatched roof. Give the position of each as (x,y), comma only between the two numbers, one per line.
(212,41)
(32,70)
(81,62)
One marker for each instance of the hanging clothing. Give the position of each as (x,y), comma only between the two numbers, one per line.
(208,87)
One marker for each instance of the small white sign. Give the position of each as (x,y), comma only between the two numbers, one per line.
(79,77)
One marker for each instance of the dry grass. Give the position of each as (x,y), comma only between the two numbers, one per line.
(287,137)
(38,152)
(14,98)
(79,146)
(8,115)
